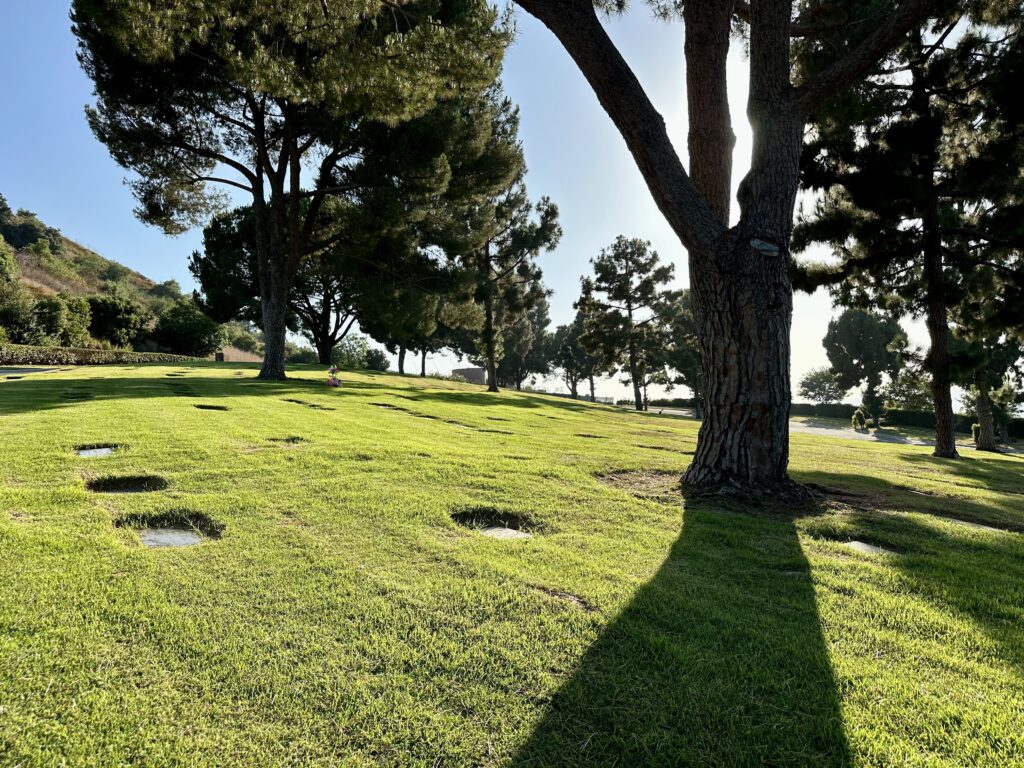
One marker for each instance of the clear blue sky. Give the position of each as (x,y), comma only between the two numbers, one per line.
(53,165)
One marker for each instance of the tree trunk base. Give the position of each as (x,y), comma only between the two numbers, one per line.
(786,493)
(946,454)
(270,375)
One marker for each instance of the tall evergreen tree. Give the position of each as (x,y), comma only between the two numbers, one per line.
(906,165)
(572,358)
(627,305)
(504,268)
(739,274)
(276,101)
(862,347)
(527,346)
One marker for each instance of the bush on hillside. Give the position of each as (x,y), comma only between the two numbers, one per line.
(62,320)
(8,265)
(117,319)
(17,314)
(243,336)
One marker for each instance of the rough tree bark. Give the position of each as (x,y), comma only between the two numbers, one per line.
(986,428)
(874,381)
(937,361)
(936,318)
(638,399)
(743,297)
(492,366)
(739,275)
(275,283)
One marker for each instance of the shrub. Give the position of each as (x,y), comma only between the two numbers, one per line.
(117,319)
(827,411)
(8,265)
(859,420)
(243,336)
(169,289)
(295,354)
(671,402)
(924,420)
(17,314)
(975,431)
(185,330)
(62,321)
(377,360)
(13,354)
(351,352)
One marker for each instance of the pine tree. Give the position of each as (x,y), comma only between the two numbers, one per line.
(905,163)
(627,307)
(275,100)
(739,273)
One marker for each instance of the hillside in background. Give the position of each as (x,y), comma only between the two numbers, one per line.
(50,263)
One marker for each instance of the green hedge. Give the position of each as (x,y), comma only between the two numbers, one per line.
(924,420)
(827,411)
(16,354)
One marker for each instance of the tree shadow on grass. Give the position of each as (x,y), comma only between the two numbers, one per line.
(45,393)
(978,573)
(718,660)
(864,492)
(1004,474)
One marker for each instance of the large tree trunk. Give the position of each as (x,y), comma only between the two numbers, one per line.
(492,366)
(590,379)
(936,319)
(986,428)
(275,283)
(574,389)
(740,276)
(870,401)
(744,339)
(401,359)
(638,398)
(423,364)
(936,313)
(275,311)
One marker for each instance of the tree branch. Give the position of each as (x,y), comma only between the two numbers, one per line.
(575,24)
(857,62)
(219,180)
(799,27)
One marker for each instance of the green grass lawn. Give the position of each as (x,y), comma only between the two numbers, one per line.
(337,615)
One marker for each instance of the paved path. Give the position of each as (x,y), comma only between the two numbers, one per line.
(23,371)
(822,429)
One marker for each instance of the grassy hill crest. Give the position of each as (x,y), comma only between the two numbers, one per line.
(50,262)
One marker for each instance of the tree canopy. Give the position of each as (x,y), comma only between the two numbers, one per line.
(275,102)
